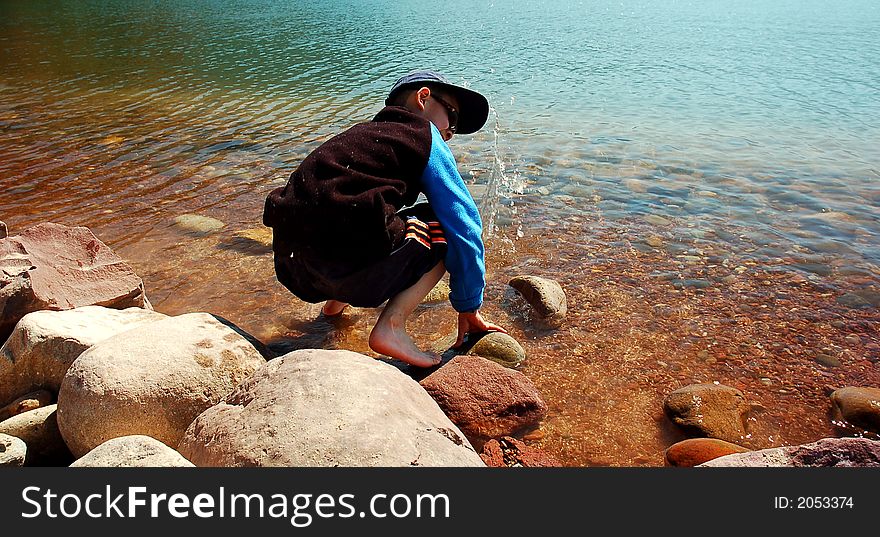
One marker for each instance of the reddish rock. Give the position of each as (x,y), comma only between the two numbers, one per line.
(694,451)
(484,399)
(827,452)
(26,403)
(507,452)
(3,231)
(55,267)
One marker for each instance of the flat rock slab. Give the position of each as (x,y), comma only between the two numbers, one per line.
(322,408)
(134,451)
(484,399)
(857,408)
(13,451)
(712,410)
(44,344)
(828,452)
(55,267)
(545,296)
(151,380)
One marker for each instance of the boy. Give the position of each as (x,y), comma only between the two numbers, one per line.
(347,228)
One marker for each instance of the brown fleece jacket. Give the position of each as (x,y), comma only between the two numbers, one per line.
(341,202)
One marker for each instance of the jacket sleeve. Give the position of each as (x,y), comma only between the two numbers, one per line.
(458,215)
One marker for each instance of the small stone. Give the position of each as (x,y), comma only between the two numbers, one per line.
(654,241)
(827,360)
(501,348)
(853,339)
(440,293)
(657,220)
(4,232)
(854,301)
(198,224)
(534,436)
(26,403)
(857,407)
(840,325)
(546,297)
(694,451)
(261,236)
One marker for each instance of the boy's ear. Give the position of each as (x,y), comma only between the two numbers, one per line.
(422,97)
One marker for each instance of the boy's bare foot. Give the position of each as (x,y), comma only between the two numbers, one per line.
(394,343)
(332,308)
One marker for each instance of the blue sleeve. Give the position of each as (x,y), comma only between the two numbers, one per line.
(460,220)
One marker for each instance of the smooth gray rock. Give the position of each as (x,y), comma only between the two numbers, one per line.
(545,296)
(327,408)
(152,380)
(130,452)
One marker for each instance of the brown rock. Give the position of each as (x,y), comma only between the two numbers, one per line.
(25,403)
(712,410)
(856,407)
(509,452)
(38,429)
(4,232)
(55,267)
(484,399)
(546,297)
(694,451)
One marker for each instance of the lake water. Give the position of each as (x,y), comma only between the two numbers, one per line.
(703,178)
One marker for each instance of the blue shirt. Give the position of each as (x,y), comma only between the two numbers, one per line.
(458,215)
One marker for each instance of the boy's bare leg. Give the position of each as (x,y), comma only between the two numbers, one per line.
(333,307)
(389,336)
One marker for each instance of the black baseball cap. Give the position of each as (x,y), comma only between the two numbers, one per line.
(473,108)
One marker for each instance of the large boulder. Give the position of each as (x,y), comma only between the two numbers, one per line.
(55,267)
(130,452)
(484,399)
(545,296)
(827,452)
(38,429)
(712,410)
(857,408)
(45,343)
(327,408)
(13,451)
(151,380)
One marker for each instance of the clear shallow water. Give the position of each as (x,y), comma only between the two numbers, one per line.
(635,148)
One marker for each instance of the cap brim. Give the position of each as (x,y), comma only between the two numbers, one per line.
(473,108)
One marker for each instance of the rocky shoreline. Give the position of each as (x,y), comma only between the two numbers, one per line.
(91,375)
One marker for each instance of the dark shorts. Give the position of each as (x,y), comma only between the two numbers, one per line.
(316,280)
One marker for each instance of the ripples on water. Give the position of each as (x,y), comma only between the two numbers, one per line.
(702,178)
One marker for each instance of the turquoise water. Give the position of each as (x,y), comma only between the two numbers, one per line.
(692,137)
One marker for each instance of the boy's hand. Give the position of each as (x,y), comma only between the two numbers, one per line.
(473,322)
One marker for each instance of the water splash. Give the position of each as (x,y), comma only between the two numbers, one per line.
(500,187)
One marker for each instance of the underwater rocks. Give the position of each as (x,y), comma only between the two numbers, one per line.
(545,296)
(711,410)
(55,267)
(197,224)
(508,452)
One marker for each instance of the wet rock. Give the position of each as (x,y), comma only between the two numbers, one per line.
(13,451)
(857,407)
(546,297)
(499,347)
(38,429)
(319,408)
(440,293)
(854,301)
(657,220)
(261,236)
(134,451)
(151,380)
(25,403)
(484,399)
(828,452)
(712,410)
(655,241)
(691,284)
(4,232)
(44,344)
(198,224)
(55,267)
(694,451)
(508,452)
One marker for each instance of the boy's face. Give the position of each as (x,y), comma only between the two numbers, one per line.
(439,109)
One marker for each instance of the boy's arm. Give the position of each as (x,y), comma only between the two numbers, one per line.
(462,228)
